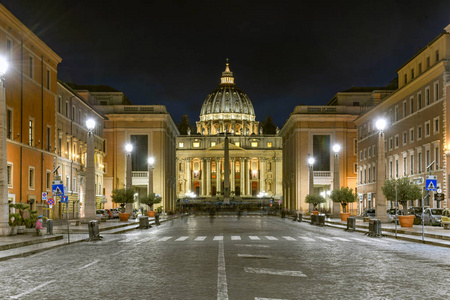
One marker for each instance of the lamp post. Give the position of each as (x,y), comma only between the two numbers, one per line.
(129,179)
(4,207)
(380,200)
(311,161)
(336,185)
(89,201)
(151,162)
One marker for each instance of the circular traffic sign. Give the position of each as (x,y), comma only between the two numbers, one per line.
(439,191)
(50,201)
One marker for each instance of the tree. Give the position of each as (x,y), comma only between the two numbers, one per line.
(344,196)
(405,191)
(314,199)
(123,196)
(150,200)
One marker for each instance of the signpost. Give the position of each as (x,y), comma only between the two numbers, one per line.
(431,182)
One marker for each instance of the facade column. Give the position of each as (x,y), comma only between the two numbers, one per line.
(262,174)
(188,175)
(204,188)
(242,174)
(208,177)
(248,176)
(218,177)
(233,175)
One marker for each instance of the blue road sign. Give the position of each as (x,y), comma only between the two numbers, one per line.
(64,199)
(58,189)
(431,183)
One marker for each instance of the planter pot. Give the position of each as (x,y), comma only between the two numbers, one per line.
(315,212)
(151,213)
(344,216)
(124,216)
(21,229)
(406,221)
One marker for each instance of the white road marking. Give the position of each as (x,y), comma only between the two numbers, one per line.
(218,238)
(289,238)
(166,238)
(235,238)
(257,298)
(119,252)
(88,265)
(254,238)
(254,256)
(325,239)
(253,245)
(32,290)
(182,238)
(341,239)
(361,240)
(307,238)
(271,238)
(274,272)
(222,288)
(200,238)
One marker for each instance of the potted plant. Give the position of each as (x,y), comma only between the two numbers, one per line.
(405,191)
(315,200)
(343,196)
(123,197)
(150,200)
(19,220)
(13,222)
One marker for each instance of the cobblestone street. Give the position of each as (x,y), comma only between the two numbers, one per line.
(227,257)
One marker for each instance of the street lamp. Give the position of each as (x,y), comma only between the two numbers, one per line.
(129,180)
(4,208)
(151,162)
(380,200)
(336,185)
(311,161)
(89,201)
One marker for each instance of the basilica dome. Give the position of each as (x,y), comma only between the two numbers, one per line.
(227,109)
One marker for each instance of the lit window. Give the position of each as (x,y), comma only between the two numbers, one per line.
(196,144)
(213,144)
(254,144)
(269,145)
(237,144)
(31,178)
(181,145)
(9,171)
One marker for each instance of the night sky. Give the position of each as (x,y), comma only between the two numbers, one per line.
(282,53)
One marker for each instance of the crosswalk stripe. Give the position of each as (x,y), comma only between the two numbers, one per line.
(325,239)
(235,238)
(182,238)
(218,238)
(254,238)
(166,238)
(200,238)
(271,238)
(307,238)
(342,239)
(289,238)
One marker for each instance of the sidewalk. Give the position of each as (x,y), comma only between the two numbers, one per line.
(29,243)
(433,235)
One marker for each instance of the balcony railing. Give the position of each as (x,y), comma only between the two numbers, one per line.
(322,173)
(139,174)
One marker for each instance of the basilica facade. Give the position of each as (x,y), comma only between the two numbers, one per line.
(255,151)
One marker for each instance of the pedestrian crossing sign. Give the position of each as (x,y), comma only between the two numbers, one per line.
(431,183)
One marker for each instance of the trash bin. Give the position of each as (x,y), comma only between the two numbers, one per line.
(93,229)
(49,226)
(143,222)
(300,217)
(320,220)
(351,224)
(313,220)
(374,228)
(283,214)
(157,219)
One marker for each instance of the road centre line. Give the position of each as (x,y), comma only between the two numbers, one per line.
(257,298)
(254,256)
(88,265)
(274,272)
(32,290)
(253,245)
(361,240)
(119,252)
(342,239)
(222,288)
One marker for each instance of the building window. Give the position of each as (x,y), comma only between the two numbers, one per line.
(396,141)
(30,132)
(411,135)
(427,158)
(419,163)
(396,114)
(269,144)
(427,129)
(420,68)
(412,74)
(74,185)
(428,62)
(73,113)
(254,144)
(180,145)
(48,79)
(68,182)
(437,55)
(355,147)
(436,91)
(31,178)
(405,166)
(390,169)
(360,155)
(396,168)
(60,104)
(30,70)
(213,144)
(9,49)
(373,150)
(436,157)
(411,164)
(419,132)
(67,109)
(9,124)
(404,109)
(411,105)
(48,146)
(374,174)
(196,144)
(9,170)
(238,144)
(427,96)
(48,181)
(391,144)
(406,78)
(405,138)
(355,168)
(419,101)
(365,153)
(436,125)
